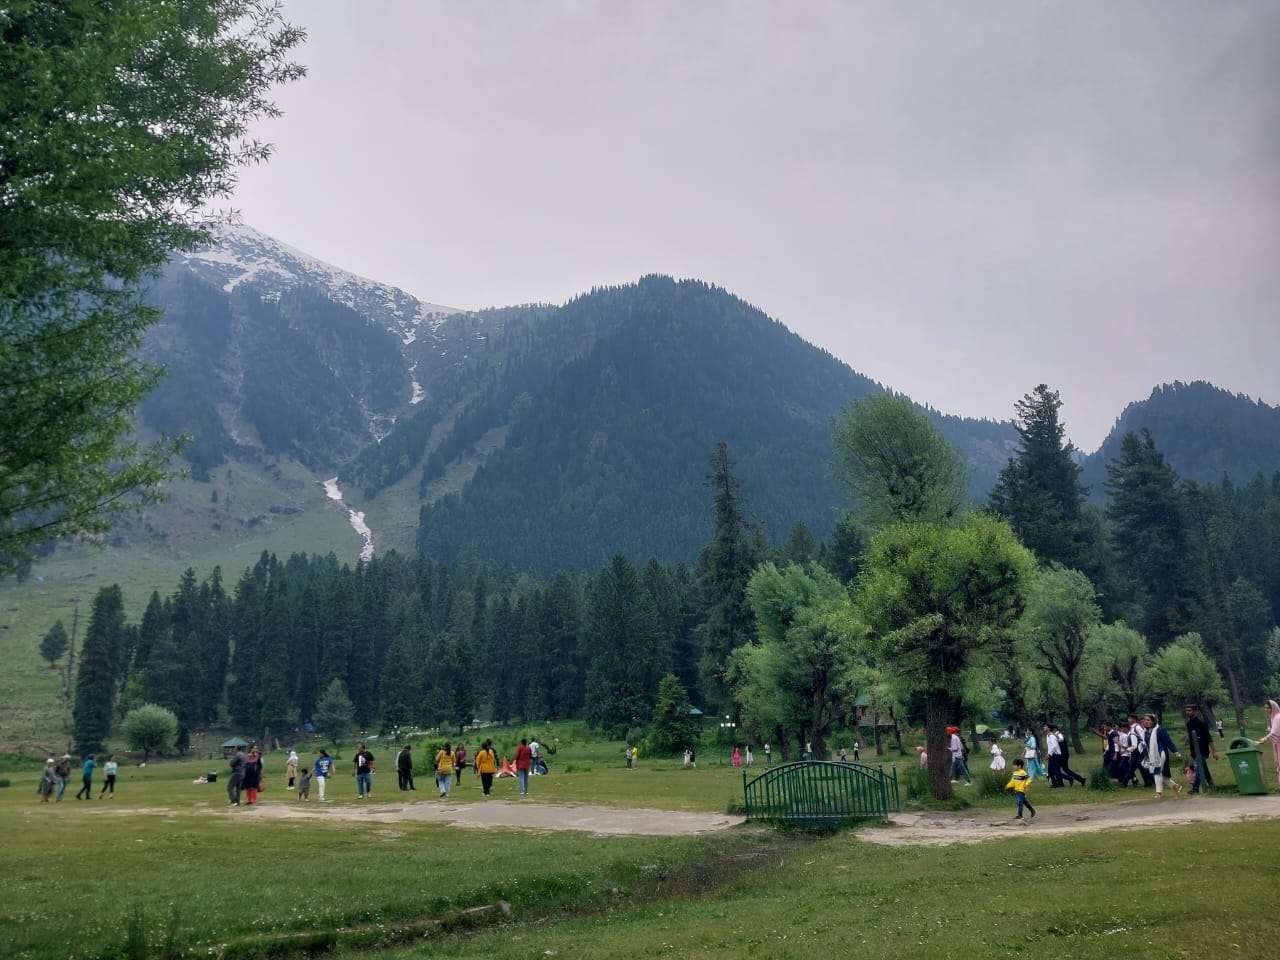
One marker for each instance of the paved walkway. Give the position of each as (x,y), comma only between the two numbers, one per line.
(940,829)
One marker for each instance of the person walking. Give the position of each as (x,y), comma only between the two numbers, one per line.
(1200,742)
(291,769)
(404,768)
(1053,755)
(1160,747)
(486,764)
(749,757)
(236,777)
(1126,747)
(48,781)
(251,782)
(109,769)
(459,762)
(323,770)
(1140,734)
(304,784)
(86,778)
(1019,782)
(62,775)
(959,769)
(363,769)
(524,760)
(997,757)
(1031,756)
(857,751)
(1064,765)
(768,755)
(1273,732)
(736,757)
(444,771)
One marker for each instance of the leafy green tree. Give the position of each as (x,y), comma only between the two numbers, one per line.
(1117,663)
(1061,612)
(96,678)
(935,598)
(333,716)
(1273,662)
(802,675)
(151,729)
(1039,491)
(53,645)
(1149,536)
(1183,673)
(118,122)
(895,465)
(726,566)
(673,729)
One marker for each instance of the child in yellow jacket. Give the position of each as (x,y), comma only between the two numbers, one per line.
(1019,781)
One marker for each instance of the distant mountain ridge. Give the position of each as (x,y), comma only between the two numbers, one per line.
(1204,431)
(546,435)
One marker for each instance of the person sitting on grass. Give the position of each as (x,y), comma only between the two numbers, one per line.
(1019,781)
(304,784)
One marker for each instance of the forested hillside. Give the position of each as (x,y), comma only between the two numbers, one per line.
(1205,433)
(591,424)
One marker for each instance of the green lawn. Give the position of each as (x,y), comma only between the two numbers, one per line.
(1197,891)
(74,872)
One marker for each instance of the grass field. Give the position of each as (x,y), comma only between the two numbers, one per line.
(244,885)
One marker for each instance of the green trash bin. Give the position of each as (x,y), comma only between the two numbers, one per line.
(1246,763)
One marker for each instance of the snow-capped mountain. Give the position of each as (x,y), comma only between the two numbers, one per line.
(242,255)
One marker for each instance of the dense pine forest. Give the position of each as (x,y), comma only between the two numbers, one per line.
(1178,573)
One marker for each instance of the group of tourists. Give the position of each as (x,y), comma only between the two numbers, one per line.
(53,780)
(245,782)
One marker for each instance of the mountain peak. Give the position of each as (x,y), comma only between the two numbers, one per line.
(241,254)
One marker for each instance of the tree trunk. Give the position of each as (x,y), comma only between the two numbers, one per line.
(938,706)
(897,733)
(1233,684)
(1073,717)
(875,732)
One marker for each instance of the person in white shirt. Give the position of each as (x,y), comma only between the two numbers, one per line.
(109,784)
(958,766)
(997,757)
(1053,756)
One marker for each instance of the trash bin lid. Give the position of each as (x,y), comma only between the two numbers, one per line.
(1242,743)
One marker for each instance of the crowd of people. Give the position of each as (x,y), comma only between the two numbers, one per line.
(245,780)
(57,773)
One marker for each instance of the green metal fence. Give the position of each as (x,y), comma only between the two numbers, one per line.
(818,792)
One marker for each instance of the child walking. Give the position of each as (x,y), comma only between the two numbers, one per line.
(304,784)
(1019,781)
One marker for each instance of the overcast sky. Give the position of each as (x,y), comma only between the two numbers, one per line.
(960,200)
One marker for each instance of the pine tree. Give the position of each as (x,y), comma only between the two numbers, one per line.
(54,644)
(726,566)
(1039,491)
(1149,536)
(561,626)
(673,729)
(843,554)
(214,645)
(401,672)
(621,626)
(333,712)
(96,679)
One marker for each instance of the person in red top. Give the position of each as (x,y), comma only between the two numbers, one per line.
(459,762)
(524,760)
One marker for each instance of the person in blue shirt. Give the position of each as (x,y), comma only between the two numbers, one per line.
(86,774)
(323,770)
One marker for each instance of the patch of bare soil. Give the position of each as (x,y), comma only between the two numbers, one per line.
(584,818)
(941,829)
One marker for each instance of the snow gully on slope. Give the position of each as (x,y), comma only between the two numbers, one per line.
(356,517)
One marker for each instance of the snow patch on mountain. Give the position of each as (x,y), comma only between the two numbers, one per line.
(240,254)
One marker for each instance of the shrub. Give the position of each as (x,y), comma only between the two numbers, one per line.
(4,781)
(1099,779)
(915,783)
(989,783)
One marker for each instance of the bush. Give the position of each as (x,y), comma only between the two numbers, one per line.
(4,781)
(1099,779)
(989,783)
(915,784)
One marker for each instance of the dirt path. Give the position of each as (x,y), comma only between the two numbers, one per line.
(940,829)
(584,818)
